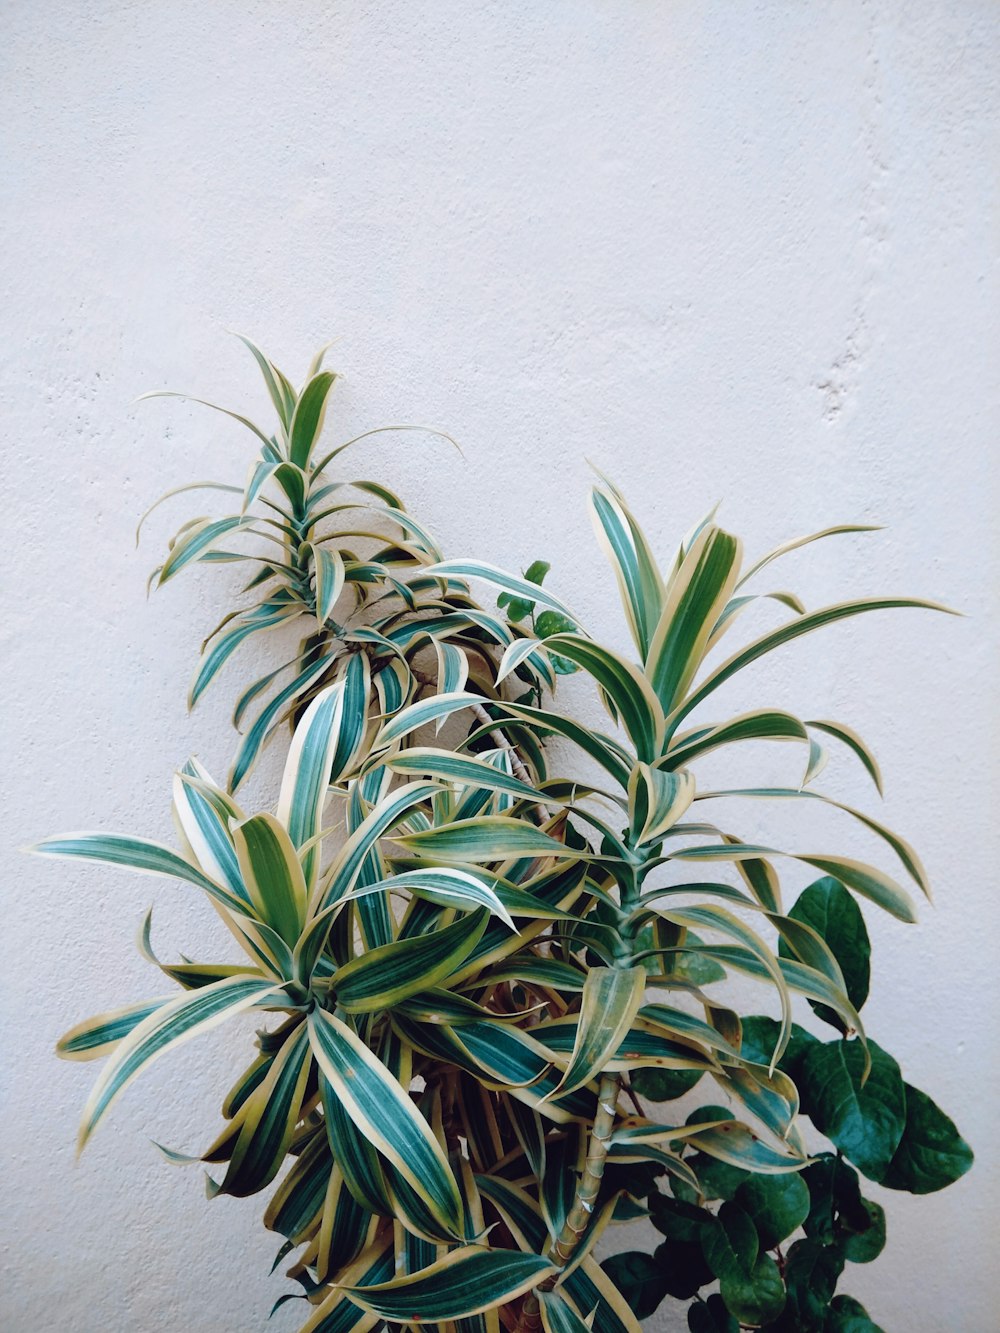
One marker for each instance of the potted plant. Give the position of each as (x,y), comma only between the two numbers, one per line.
(485,986)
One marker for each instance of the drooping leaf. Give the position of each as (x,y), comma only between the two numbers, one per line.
(384,1113)
(465,1282)
(611,1000)
(174,1022)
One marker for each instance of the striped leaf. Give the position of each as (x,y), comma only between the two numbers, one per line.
(857,875)
(337,1313)
(762,724)
(449,886)
(611,1000)
(499,578)
(627,688)
(281,392)
(258,734)
(657,799)
(467,1281)
(205,815)
(307,419)
(384,1113)
(696,596)
(168,1026)
(854,742)
(461,769)
(99,1035)
(382,977)
(640,583)
(269,1118)
(196,542)
(272,874)
(798,542)
(307,771)
(329,581)
(141,854)
(488,838)
(786,634)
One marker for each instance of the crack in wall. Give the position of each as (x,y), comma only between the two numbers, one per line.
(842,382)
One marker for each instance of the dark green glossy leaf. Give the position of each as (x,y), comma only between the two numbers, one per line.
(749,1281)
(861,1247)
(777,1205)
(865,1123)
(811,1274)
(676,1219)
(846,1315)
(931,1154)
(831,911)
(663,1085)
(711,1316)
(639,1279)
(835,1203)
(759,1037)
(683,1268)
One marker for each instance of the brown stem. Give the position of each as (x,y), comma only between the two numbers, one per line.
(501,742)
(587,1189)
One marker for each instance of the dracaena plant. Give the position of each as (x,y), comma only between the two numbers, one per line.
(481,990)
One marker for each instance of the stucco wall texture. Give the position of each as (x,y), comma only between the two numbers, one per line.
(726,251)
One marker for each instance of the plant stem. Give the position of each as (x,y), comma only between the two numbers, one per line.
(587,1189)
(502,743)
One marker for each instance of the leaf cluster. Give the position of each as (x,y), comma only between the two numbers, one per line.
(464,963)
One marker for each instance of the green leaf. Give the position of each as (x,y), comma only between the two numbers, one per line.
(269,1118)
(861,1247)
(168,1026)
(382,977)
(385,1115)
(611,999)
(640,1280)
(777,1205)
(272,874)
(827,615)
(835,1203)
(330,577)
(99,1035)
(466,1282)
(865,1122)
(832,912)
(931,1153)
(307,419)
(487,838)
(640,584)
(307,771)
(711,1316)
(626,687)
(811,1275)
(150,858)
(663,1085)
(749,1281)
(558,1316)
(846,1315)
(683,1268)
(695,598)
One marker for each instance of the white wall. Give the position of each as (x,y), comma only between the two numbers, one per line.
(726,251)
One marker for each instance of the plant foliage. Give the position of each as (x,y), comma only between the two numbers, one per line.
(483,987)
